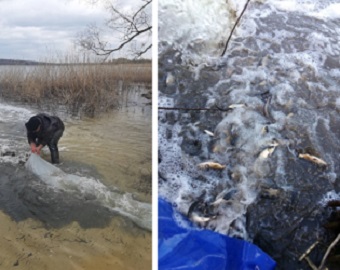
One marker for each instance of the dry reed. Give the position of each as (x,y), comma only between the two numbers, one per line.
(88,87)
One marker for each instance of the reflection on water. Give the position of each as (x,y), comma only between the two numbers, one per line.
(44,227)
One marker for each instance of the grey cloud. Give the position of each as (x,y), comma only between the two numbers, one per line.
(29,31)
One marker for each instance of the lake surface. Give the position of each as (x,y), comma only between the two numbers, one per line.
(81,224)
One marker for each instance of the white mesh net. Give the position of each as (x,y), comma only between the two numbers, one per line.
(122,203)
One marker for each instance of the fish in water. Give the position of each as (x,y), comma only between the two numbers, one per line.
(234,106)
(211,165)
(270,193)
(265,130)
(313,159)
(224,196)
(199,213)
(266,153)
(209,133)
(170,79)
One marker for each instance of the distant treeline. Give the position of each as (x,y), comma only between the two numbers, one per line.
(17,62)
(111,61)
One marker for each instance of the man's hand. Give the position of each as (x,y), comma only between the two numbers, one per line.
(39,149)
(36,149)
(33,148)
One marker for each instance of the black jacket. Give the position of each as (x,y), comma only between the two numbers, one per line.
(50,125)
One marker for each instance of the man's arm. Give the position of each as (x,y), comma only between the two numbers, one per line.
(34,148)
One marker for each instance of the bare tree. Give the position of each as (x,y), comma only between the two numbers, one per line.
(132,26)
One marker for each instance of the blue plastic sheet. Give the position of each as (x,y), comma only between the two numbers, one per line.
(193,249)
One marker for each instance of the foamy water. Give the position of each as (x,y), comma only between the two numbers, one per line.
(196,28)
(14,150)
(122,203)
(283,54)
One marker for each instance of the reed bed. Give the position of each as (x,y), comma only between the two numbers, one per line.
(91,88)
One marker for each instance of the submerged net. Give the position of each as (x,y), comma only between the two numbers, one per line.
(121,203)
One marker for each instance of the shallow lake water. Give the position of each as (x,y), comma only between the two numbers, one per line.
(78,226)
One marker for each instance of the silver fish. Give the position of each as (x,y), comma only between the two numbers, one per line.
(209,133)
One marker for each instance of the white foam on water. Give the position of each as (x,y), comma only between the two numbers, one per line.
(180,171)
(329,196)
(316,8)
(124,204)
(198,29)
(9,112)
(11,151)
(331,11)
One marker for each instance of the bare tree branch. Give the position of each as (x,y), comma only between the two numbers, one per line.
(232,30)
(133,28)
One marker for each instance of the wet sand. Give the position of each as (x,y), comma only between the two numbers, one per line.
(28,245)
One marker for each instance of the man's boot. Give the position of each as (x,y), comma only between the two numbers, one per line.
(55,157)
(54,154)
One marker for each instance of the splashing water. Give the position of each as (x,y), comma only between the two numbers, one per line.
(187,27)
(124,204)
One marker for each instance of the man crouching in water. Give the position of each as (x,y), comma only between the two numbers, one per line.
(42,130)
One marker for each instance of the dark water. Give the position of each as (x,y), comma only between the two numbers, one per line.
(281,70)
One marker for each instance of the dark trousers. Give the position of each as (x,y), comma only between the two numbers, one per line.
(53,146)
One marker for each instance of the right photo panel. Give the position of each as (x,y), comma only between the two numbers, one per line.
(248,134)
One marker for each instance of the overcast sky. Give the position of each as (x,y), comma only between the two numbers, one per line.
(40,29)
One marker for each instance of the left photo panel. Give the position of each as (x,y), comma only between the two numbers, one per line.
(75,134)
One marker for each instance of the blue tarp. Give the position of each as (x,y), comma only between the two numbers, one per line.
(193,249)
